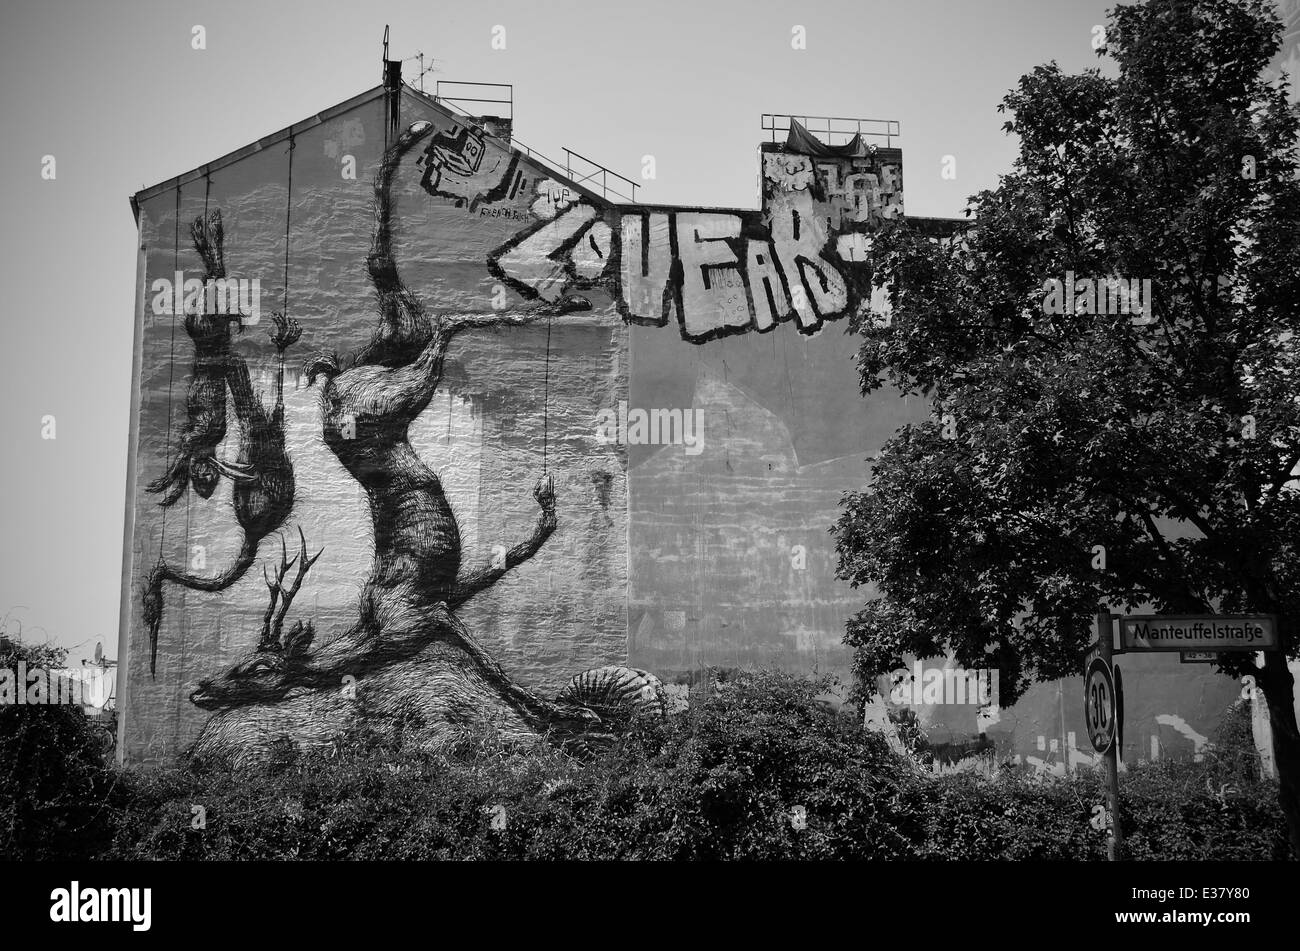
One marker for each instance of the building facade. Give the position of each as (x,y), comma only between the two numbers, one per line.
(674,384)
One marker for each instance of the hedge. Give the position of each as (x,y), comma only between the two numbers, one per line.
(759,770)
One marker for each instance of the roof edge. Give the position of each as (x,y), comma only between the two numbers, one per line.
(265,142)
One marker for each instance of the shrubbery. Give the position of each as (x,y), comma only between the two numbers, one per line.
(759,770)
(54,785)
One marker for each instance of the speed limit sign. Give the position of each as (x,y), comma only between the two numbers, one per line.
(1099,705)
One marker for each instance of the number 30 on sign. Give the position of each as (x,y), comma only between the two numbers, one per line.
(1099,705)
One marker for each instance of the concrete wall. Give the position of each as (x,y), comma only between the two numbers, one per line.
(1288,55)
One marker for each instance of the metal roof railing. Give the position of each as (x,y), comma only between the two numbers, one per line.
(475,87)
(597,169)
(833,127)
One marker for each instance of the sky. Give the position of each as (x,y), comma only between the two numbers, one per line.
(115,91)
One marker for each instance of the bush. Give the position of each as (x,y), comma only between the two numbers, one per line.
(54,785)
(721,780)
(759,769)
(1180,811)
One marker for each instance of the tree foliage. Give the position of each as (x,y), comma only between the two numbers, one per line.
(1081,454)
(1163,445)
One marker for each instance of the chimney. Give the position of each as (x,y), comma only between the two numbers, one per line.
(393,92)
(392,74)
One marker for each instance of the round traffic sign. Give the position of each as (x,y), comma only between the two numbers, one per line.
(1099,705)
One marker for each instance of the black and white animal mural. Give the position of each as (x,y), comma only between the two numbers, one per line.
(407,662)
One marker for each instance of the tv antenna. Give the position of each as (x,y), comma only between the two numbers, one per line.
(432,68)
(419,55)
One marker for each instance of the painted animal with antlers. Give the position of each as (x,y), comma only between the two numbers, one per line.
(415,583)
(407,657)
(277,654)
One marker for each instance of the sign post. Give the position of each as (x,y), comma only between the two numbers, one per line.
(1102,709)
(1196,639)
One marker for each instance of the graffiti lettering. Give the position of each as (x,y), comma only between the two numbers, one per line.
(534,266)
(712,289)
(647,257)
(803,258)
(514,214)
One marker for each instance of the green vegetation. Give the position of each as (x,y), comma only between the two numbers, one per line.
(1090,454)
(735,776)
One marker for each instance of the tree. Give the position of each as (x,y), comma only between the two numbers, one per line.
(1077,453)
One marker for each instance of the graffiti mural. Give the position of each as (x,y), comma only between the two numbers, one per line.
(262,473)
(417,659)
(342,593)
(458,165)
(801,259)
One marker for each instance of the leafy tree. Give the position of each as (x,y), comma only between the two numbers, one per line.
(1082,458)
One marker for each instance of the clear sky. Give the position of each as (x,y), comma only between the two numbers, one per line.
(115,92)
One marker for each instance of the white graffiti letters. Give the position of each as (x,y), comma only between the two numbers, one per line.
(799,234)
(647,257)
(804,257)
(713,289)
(531,264)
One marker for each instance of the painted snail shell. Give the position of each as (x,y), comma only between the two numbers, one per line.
(616,693)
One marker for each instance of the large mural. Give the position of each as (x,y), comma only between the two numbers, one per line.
(242,454)
(501,453)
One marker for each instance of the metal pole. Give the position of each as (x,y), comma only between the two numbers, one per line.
(1115,844)
(1060,711)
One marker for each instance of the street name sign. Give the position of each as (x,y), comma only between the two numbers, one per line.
(1217,633)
